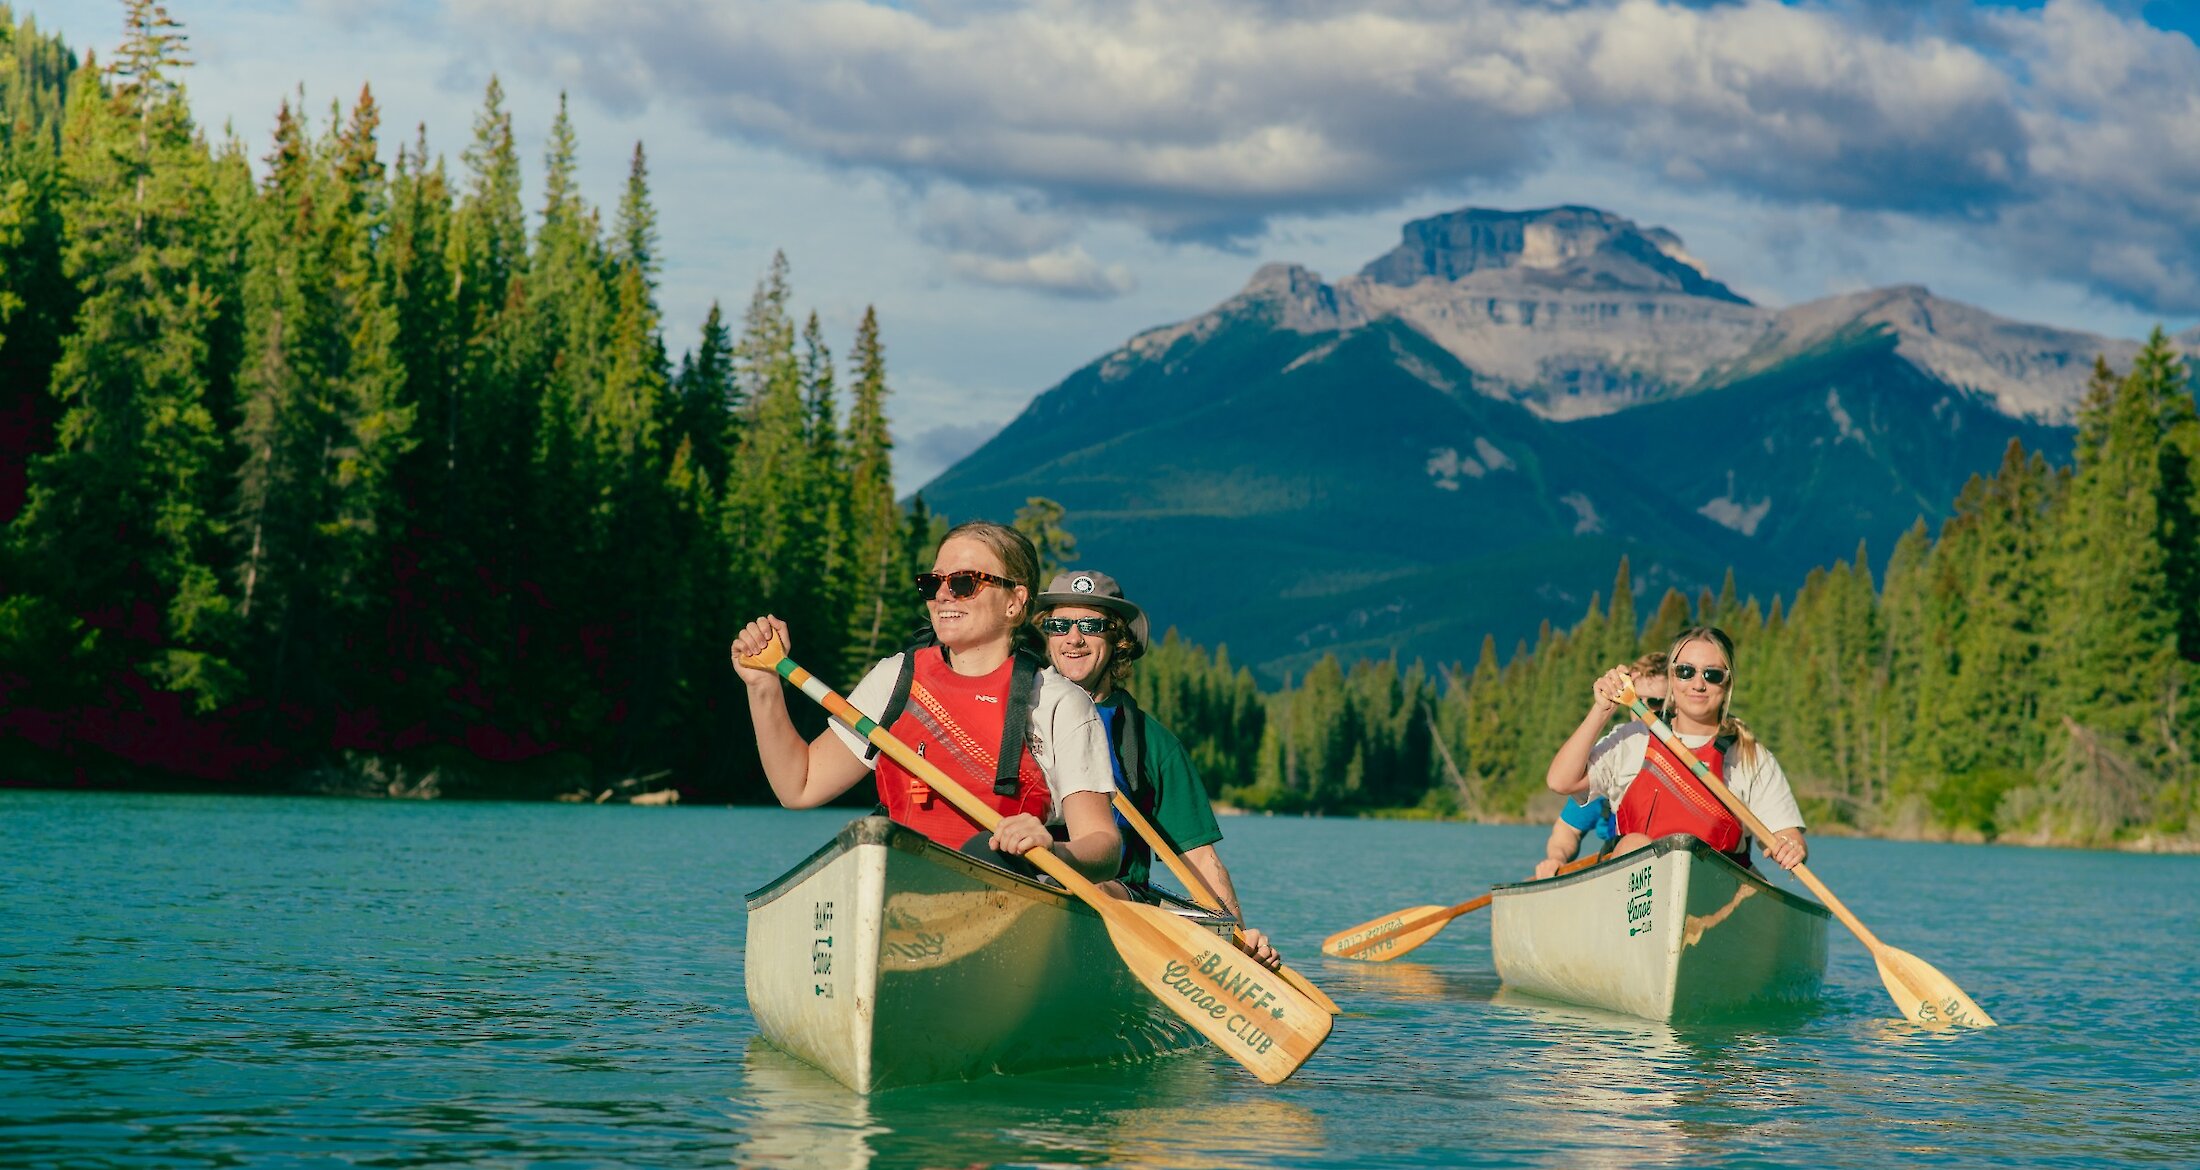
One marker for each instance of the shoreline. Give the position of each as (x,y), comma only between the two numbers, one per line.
(424,785)
(2149,843)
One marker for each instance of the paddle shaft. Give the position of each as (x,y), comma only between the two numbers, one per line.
(1473,904)
(1749,820)
(1205,895)
(1194,885)
(1401,925)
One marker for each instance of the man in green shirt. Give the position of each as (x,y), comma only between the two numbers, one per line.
(1093,634)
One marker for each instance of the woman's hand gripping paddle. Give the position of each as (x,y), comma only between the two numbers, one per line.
(1206,897)
(1264,1024)
(1379,940)
(1924,994)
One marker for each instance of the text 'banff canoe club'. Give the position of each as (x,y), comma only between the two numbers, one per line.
(1244,988)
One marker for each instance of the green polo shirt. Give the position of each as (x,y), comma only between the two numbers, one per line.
(1180,809)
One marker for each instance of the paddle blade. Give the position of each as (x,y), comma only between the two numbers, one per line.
(1380,940)
(1250,1013)
(1924,994)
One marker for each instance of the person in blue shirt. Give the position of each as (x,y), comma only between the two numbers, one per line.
(1576,819)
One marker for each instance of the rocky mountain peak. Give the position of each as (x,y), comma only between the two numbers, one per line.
(1564,247)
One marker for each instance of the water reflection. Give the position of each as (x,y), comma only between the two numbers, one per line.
(1689,1092)
(1173,1113)
(1403,984)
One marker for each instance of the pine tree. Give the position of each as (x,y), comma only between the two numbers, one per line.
(488,242)
(710,401)
(825,481)
(491,422)
(874,521)
(1667,623)
(417,279)
(1040,519)
(635,233)
(767,482)
(2115,634)
(124,511)
(324,424)
(37,300)
(1619,623)
(2160,375)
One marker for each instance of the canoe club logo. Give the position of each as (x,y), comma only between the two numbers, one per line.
(1202,994)
(1080,585)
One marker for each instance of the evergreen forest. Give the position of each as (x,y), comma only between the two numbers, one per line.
(332,468)
(344,475)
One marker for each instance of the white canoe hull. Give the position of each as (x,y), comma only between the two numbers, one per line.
(1671,931)
(886,960)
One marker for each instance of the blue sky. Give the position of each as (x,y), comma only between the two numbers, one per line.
(1020,185)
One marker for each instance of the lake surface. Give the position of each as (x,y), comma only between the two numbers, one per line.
(215,981)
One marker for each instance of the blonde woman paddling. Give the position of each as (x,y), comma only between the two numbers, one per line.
(1653,792)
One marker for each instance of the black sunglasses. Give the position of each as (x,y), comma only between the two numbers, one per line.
(960,584)
(1715,675)
(1091,627)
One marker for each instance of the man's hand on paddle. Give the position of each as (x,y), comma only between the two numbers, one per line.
(1257,944)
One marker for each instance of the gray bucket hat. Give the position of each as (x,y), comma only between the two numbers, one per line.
(1095,591)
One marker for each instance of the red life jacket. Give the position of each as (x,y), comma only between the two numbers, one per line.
(1666,797)
(955,723)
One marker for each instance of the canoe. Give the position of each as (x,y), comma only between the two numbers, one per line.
(886,960)
(1671,931)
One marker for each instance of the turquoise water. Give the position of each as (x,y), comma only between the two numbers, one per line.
(209,981)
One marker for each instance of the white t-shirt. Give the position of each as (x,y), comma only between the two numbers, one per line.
(1066,737)
(1759,783)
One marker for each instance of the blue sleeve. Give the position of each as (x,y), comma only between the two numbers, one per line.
(1584,817)
(1108,714)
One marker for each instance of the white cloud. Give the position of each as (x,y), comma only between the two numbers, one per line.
(1014,242)
(1064,272)
(1204,119)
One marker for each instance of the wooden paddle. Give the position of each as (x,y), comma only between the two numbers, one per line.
(1263,1024)
(1924,994)
(1206,896)
(1379,940)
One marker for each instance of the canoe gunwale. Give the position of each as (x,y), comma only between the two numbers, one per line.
(875,829)
(1670,843)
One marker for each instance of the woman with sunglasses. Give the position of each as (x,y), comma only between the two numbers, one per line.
(961,693)
(1653,792)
